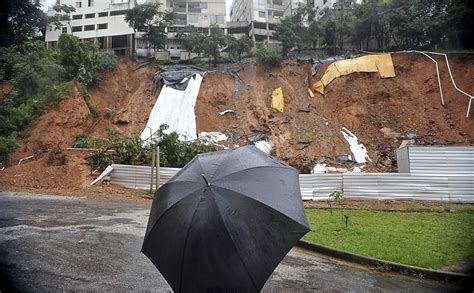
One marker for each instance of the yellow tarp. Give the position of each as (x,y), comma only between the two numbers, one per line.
(277,100)
(381,63)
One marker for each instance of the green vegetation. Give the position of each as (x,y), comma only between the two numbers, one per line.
(426,239)
(128,150)
(21,20)
(381,25)
(41,77)
(267,56)
(212,45)
(177,153)
(148,18)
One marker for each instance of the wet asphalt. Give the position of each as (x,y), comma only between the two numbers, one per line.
(57,243)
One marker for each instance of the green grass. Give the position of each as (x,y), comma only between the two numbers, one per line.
(433,240)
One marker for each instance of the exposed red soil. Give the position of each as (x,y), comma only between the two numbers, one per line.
(308,131)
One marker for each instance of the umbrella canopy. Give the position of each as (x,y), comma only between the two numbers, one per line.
(225,221)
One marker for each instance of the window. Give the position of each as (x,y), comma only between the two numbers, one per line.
(118,12)
(194,7)
(90,3)
(89,27)
(261,14)
(77,16)
(261,2)
(220,19)
(193,18)
(78,4)
(103,14)
(277,13)
(77,28)
(260,25)
(90,15)
(64,30)
(102,26)
(278,2)
(203,5)
(181,19)
(179,7)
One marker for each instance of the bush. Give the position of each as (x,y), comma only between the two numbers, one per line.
(106,60)
(267,56)
(177,153)
(7,145)
(100,159)
(129,150)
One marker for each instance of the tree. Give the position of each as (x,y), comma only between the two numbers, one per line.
(148,18)
(214,43)
(62,13)
(299,30)
(238,47)
(193,41)
(21,20)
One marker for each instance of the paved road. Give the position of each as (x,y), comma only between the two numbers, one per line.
(53,243)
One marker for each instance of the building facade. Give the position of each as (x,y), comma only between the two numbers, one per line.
(201,14)
(100,21)
(262,15)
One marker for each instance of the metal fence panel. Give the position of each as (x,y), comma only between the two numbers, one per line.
(138,177)
(437,160)
(354,185)
(395,186)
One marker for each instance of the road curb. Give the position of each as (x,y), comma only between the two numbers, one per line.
(383,265)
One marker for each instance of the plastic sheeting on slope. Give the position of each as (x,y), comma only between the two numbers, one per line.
(176,109)
(277,100)
(381,63)
(175,76)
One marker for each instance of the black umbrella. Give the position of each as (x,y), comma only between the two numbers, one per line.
(225,221)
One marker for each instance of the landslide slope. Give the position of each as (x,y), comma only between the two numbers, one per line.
(308,131)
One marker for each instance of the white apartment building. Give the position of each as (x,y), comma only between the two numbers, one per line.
(101,21)
(202,14)
(262,15)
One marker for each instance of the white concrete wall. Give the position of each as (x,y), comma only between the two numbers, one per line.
(116,25)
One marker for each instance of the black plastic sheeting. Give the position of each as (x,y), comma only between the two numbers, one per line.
(317,62)
(225,221)
(175,76)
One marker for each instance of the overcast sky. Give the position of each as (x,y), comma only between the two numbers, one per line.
(46,3)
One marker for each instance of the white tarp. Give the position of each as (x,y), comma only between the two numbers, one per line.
(176,109)
(358,150)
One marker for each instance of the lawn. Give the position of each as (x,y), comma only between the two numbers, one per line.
(435,239)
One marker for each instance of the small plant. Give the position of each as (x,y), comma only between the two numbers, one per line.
(336,196)
(100,159)
(81,142)
(110,112)
(267,56)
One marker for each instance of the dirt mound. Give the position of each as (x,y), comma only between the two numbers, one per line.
(122,101)
(56,128)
